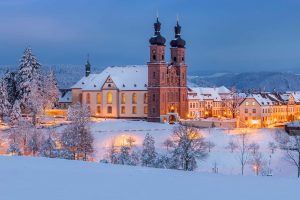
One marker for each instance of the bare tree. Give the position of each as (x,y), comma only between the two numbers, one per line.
(232,103)
(290,144)
(189,145)
(210,145)
(258,162)
(231,145)
(272,146)
(243,150)
(130,141)
(253,147)
(168,143)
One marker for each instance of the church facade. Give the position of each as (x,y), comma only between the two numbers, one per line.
(157,92)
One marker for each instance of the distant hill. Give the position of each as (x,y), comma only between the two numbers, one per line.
(67,75)
(266,81)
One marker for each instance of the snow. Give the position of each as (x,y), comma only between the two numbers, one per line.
(208,93)
(49,179)
(118,130)
(65,97)
(295,123)
(133,77)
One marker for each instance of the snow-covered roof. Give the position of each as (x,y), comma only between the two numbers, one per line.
(65,97)
(133,77)
(207,93)
(266,99)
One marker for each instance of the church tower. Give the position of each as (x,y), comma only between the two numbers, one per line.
(167,85)
(178,61)
(156,68)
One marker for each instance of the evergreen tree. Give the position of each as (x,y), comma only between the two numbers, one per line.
(47,148)
(4,103)
(15,113)
(124,157)
(10,82)
(14,149)
(77,137)
(29,70)
(149,154)
(51,91)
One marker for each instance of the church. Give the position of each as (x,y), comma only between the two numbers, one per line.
(156,91)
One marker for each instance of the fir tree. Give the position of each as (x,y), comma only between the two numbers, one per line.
(149,154)
(51,91)
(4,103)
(47,148)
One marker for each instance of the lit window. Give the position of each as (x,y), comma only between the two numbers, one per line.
(98,109)
(253,103)
(134,97)
(133,109)
(80,98)
(98,98)
(247,103)
(88,98)
(123,109)
(145,109)
(145,98)
(109,98)
(109,110)
(123,98)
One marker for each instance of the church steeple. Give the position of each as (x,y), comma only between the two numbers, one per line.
(177,41)
(157,39)
(87,67)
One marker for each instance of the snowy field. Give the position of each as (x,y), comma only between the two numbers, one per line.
(49,179)
(227,163)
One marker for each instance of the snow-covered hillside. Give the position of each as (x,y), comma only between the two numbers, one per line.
(54,179)
(118,130)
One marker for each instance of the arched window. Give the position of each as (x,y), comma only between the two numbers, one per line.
(123,98)
(145,98)
(98,98)
(109,98)
(88,98)
(134,98)
(80,98)
(133,109)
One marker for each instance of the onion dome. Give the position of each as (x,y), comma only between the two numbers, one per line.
(177,41)
(157,39)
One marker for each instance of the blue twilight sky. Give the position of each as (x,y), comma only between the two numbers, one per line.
(221,35)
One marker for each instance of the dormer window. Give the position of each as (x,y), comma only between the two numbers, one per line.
(134,85)
(123,85)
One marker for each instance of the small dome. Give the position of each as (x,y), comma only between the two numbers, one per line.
(157,39)
(177,41)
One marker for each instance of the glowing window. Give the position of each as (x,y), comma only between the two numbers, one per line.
(247,103)
(253,103)
(88,98)
(145,109)
(98,109)
(98,98)
(123,109)
(145,98)
(134,98)
(133,109)
(123,98)
(109,98)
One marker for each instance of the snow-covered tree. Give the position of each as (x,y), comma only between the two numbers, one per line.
(162,161)
(168,143)
(290,144)
(77,137)
(231,146)
(258,162)
(130,140)
(210,145)
(47,148)
(15,113)
(10,82)
(124,157)
(50,90)
(4,103)
(243,150)
(148,155)
(112,153)
(29,70)
(253,147)
(14,149)
(34,143)
(272,146)
(189,145)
